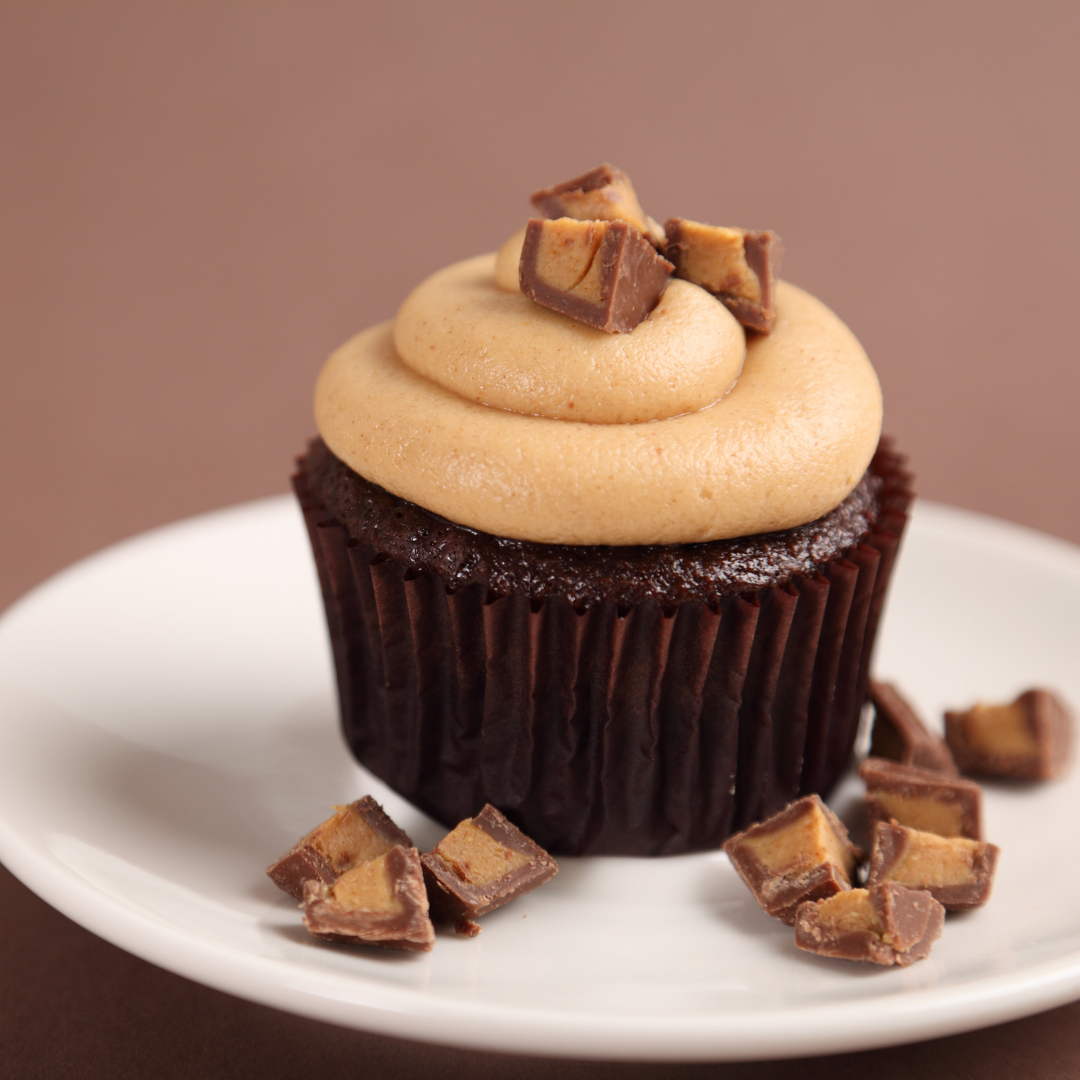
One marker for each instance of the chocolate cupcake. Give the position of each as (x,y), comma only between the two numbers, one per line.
(624,587)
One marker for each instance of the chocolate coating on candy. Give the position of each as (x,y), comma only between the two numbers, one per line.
(381,902)
(1030,739)
(899,734)
(802,853)
(602,194)
(604,274)
(956,871)
(922,799)
(885,924)
(483,863)
(357,833)
(665,573)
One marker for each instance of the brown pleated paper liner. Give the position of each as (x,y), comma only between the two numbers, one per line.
(629,730)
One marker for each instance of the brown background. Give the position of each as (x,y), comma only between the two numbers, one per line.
(198,201)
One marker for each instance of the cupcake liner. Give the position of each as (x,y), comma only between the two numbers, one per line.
(621,729)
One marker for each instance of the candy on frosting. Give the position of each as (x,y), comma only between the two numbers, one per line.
(602,273)
(602,194)
(501,349)
(784,446)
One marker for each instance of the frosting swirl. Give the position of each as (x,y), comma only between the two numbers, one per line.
(434,425)
(501,349)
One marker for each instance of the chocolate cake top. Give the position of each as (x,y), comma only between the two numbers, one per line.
(667,574)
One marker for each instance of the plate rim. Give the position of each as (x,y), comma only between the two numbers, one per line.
(402,1012)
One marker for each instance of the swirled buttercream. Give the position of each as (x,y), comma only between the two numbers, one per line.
(501,349)
(784,446)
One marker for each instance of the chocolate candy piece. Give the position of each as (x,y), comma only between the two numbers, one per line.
(603,194)
(884,924)
(802,853)
(356,833)
(1028,740)
(737,266)
(380,902)
(957,872)
(922,799)
(603,273)
(484,863)
(899,734)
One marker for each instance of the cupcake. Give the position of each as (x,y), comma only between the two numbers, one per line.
(622,583)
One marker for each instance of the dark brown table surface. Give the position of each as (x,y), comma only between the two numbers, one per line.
(199,201)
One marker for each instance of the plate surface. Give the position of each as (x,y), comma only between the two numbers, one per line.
(168,727)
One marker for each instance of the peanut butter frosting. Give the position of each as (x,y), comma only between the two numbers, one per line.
(505,351)
(511,419)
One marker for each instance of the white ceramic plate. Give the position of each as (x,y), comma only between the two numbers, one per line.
(168,727)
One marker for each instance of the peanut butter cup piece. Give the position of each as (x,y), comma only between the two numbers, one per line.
(602,273)
(802,853)
(1029,739)
(921,798)
(956,871)
(381,902)
(483,863)
(602,194)
(355,834)
(883,924)
(738,266)
(899,735)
